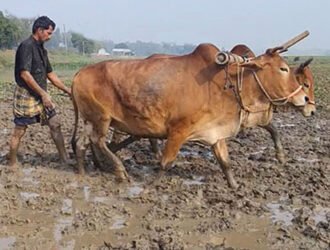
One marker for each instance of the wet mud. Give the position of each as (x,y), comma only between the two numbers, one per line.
(46,205)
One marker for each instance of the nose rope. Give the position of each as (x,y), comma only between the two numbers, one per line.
(278,101)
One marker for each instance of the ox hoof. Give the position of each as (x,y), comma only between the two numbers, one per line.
(281,159)
(158,155)
(122,176)
(81,171)
(233,185)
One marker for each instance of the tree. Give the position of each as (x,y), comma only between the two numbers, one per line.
(84,45)
(9,33)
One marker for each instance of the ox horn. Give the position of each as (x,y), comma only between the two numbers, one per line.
(304,64)
(224,58)
(274,50)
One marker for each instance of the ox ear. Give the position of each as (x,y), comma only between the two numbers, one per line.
(252,64)
(272,51)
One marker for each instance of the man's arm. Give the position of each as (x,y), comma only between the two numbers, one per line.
(29,80)
(58,83)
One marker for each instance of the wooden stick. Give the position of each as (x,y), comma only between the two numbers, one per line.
(294,40)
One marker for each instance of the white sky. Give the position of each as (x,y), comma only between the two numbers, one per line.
(258,23)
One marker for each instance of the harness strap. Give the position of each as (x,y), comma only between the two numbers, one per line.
(274,101)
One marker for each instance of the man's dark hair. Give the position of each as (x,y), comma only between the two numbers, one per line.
(42,22)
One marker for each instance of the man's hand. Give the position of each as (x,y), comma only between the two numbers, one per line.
(68,91)
(47,101)
(58,83)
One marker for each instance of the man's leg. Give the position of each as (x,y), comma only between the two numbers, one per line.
(56,133)
(16,137)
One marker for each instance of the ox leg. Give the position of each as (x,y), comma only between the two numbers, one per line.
(98,138)
(221,153)
(120,170)
(277,142)
(82,145)
(155,148)
(172,147)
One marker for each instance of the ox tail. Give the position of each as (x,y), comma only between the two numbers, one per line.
(76,114)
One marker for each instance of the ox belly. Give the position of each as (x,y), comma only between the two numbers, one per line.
(216,131)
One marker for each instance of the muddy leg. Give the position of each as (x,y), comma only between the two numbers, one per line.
(98,138)
(155,148)
(221,152)
(82,145)
(16,137)
(120,170)
(277,142)
(56,133)
(172,147)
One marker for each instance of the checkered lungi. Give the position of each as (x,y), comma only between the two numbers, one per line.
(26,105)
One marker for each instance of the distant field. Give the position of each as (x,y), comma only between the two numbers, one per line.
(67,64)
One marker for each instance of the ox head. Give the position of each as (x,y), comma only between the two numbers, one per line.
(276,79)
(305,78)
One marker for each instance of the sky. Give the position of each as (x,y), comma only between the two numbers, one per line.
(259,24)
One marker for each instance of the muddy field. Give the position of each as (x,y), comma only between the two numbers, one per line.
(46,205)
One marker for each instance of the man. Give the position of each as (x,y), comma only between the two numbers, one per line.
(32,103)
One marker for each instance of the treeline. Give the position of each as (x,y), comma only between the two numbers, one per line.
(14,30)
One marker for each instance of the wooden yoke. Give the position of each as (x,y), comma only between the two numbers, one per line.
(224,58)
(293,41)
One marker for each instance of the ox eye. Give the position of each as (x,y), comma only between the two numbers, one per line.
(284,69)
(306,85)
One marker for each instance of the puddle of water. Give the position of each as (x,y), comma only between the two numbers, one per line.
(98,199)
(7,243)
(60,226)
(189,153)
(251,233)
(67,207)
(68,245)
(27,195)
(320,214)
(86,190)
(300,159)
(278,215)
(30,180)
(118,224)
(164,197)
(134,191)
(27,171)
(289,125)
(197,180)
(73,184)
(27,176)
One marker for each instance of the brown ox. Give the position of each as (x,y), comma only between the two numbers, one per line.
(181,98)
(304,77)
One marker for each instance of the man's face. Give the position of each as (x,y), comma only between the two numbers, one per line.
(45,34)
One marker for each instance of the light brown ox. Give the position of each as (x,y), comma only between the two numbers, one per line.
(304,77)
(181,98)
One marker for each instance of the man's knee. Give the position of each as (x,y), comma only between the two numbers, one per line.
(54,123)
(19,130)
